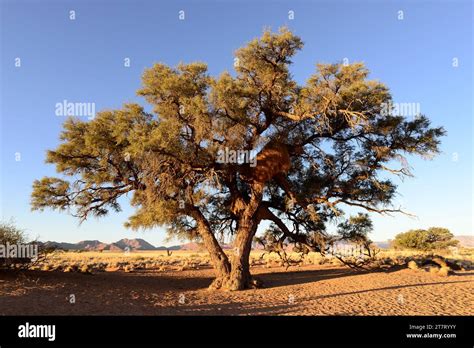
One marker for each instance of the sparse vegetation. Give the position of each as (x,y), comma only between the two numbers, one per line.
(90,262)
(434,238)
(10,234)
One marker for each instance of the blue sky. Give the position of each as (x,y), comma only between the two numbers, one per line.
(82,60)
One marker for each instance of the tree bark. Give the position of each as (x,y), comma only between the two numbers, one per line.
(240,277)
(219,259)
(234,275)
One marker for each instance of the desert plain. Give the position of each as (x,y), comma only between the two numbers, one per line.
(155,283)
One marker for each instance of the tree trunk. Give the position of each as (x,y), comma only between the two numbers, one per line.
(240,277)
(236,274)
(219,259)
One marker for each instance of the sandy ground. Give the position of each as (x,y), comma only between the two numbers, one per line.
(309,290)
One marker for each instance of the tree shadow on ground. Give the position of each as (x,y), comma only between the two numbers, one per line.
(394,287)
(116,293)
(283,307)
(277,279)
(162,281)
(196,280)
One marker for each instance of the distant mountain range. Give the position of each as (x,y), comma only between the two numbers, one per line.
(141,244)
(465,241)
(121,245)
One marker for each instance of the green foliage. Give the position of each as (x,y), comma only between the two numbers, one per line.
(356,228)
(11,234)
(332,131)
(434,238)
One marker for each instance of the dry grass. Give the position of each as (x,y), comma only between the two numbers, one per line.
(152,283)
(93,261)
(316,290)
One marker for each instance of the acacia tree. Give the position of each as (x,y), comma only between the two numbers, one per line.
(434,238)
(320,147)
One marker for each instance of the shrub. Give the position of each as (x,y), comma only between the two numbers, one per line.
(10,234)
(435,238)
(412,265)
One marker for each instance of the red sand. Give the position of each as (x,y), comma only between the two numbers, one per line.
(310,290)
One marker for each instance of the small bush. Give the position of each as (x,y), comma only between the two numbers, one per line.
(12,235)
(413,265)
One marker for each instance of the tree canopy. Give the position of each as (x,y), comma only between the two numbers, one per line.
(434,238)
(319,147)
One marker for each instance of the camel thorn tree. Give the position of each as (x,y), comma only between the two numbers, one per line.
(319,147)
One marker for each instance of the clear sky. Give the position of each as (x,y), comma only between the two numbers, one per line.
(82,60)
